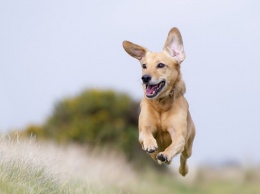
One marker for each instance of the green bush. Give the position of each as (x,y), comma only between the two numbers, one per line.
(95,117)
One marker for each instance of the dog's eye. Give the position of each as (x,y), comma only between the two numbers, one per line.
(160,65)
(144,66)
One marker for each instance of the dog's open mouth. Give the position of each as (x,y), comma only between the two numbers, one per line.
(153,90)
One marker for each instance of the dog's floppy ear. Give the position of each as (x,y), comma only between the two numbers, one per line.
(134,50)
(174,45)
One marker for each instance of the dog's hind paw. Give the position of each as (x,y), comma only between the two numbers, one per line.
(183,170)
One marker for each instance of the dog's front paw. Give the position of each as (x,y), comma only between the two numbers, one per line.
(151,150)
(149,145)
(163,158)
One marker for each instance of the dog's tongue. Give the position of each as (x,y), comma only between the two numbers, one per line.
(150,89)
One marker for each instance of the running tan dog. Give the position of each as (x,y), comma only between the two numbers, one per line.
(165,125)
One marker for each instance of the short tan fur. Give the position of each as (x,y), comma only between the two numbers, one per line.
(165,124)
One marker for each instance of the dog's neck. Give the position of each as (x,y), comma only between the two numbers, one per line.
(165,103)
(178,89)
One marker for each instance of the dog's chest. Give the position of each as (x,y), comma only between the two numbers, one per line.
(164,122)
(163,138)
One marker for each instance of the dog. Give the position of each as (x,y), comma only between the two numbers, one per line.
(165,124)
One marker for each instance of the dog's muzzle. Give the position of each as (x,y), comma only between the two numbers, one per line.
(152,90)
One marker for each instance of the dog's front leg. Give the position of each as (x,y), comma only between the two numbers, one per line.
(147,140)
(178,135)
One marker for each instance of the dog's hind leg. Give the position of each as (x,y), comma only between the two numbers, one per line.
(186,153)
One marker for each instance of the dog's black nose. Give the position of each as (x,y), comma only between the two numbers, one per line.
(146,78)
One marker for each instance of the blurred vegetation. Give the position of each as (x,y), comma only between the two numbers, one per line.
(107,119)
(99,118)
(47,168)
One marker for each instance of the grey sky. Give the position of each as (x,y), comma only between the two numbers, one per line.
(52,49)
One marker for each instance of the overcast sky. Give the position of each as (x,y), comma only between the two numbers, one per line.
(52,49)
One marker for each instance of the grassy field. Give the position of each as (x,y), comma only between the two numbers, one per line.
(28,167)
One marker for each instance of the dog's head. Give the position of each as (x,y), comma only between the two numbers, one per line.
(160,70)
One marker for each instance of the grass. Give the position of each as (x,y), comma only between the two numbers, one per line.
(28,167)
(21,174)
